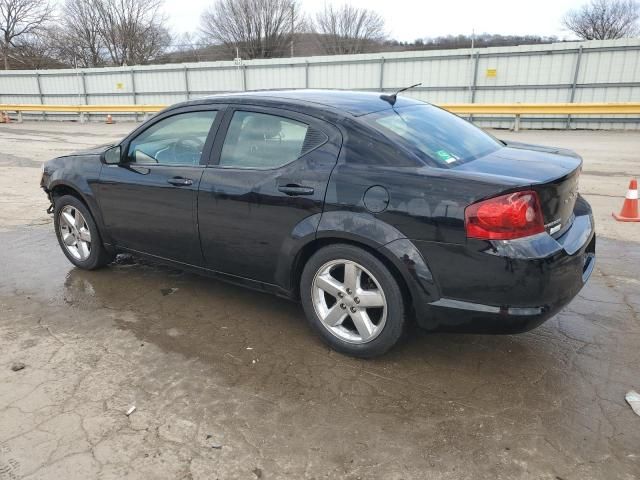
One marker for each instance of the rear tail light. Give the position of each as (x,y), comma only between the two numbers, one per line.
(506,217)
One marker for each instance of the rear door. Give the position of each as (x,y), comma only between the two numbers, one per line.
(148,201)
(269,172)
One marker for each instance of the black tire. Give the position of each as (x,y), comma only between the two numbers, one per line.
(395,323)
(98,256)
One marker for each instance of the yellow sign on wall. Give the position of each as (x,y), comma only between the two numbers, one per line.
(119,86)
(492,72)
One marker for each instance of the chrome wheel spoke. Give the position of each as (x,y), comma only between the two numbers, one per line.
(335,316)
(79,220)
(363,324)
(351,276)
(85,235)
(369,299)
(68,219)
(83,250)
(330,285)
(68,239)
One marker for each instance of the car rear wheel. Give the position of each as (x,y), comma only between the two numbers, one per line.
(352,300)
(78,234)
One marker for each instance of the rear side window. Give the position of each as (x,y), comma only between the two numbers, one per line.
(264,141)
(438,137)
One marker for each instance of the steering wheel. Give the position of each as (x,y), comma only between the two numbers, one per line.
(188,150)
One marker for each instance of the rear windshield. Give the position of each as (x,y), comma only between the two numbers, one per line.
(438,137)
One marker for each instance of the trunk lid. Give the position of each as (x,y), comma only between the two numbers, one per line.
(552,173)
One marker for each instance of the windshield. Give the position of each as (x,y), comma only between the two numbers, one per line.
(438,137)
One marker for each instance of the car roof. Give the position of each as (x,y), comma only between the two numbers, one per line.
(351,102)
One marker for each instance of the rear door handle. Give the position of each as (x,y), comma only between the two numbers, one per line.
(294,190)
(180,181)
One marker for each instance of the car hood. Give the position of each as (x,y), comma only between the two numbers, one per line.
(527,164)
(99,150)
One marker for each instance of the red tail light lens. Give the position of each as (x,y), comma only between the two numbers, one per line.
(505,217)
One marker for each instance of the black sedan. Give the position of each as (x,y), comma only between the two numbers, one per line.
(372,210)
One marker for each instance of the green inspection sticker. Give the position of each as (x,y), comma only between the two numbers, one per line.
(446,156)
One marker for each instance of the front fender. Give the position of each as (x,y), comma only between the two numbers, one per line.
(79,174)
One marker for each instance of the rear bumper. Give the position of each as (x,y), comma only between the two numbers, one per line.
(508,286)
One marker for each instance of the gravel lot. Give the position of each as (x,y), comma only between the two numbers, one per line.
(230,383)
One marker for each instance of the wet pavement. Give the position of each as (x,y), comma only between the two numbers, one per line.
(232,384)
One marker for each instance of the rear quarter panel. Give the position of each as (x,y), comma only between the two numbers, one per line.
(424,202)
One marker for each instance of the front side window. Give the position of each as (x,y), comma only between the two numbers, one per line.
(263,141)
(438,137)
(176,140)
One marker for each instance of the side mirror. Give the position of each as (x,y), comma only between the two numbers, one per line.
(113,156)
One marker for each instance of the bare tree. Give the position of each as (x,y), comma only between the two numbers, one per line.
(132,31)
(186,48)
(36,51)
(348,29)
(77,39)
(257,28)
(604,19)
(93,33)
(20,19)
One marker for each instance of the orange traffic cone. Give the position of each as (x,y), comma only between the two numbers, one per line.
(109,119)
(629,212)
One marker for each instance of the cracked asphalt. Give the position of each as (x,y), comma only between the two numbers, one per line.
(230,383)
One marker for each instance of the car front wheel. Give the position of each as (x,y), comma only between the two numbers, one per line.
(352,300)
(78,234)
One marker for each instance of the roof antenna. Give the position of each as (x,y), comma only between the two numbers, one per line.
(393,97)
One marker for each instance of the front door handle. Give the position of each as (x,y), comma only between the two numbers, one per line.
(294,190)
(180,181)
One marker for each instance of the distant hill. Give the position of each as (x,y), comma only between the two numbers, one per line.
(310,44)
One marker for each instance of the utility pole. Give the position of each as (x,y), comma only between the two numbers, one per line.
(292,25)
(75,65)
(471,80)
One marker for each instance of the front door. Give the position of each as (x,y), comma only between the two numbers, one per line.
(269,173)
(148,201)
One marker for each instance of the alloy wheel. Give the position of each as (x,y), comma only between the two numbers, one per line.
(349,301)
(75,233)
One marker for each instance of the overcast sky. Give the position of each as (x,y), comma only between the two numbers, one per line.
(411,19)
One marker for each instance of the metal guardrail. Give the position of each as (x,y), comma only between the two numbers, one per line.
(36,107)
(518,109)
(80,109)
(543,108)
(459,108)
(510,109)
